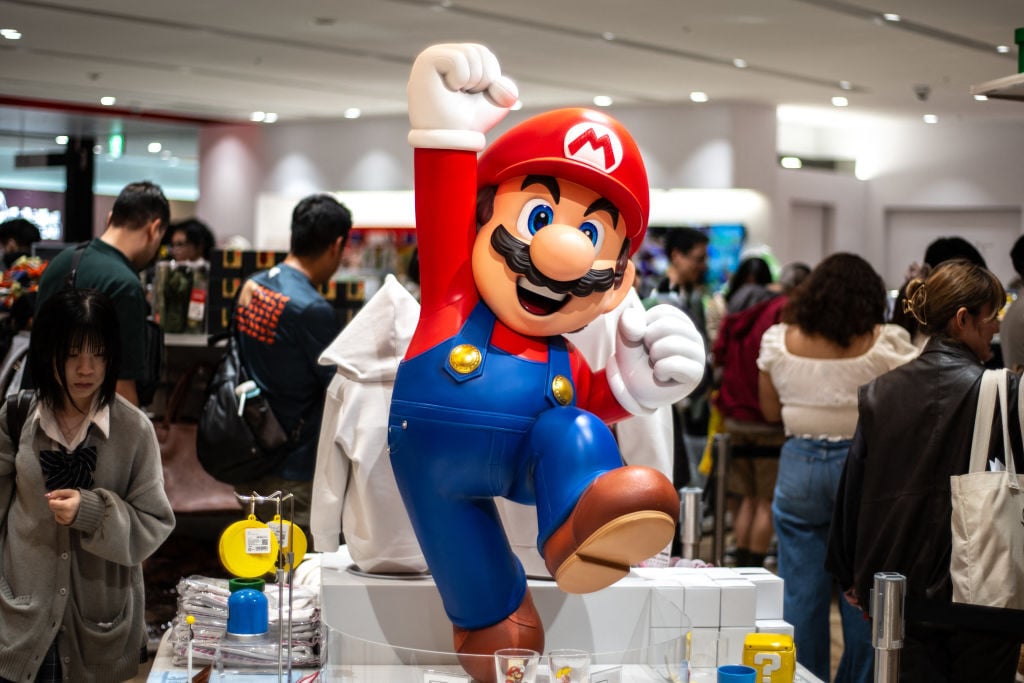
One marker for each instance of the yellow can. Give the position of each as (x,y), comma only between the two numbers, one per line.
(773,655)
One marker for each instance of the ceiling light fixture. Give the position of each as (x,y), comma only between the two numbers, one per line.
(10,33)
(891,16)
(791,162)
(154,147)
(353,113)
(698,96)
(930,118)
(61,139)
(839,101)
(739,63)
(257,116)
(271,117)
(1002,49)
(981,98)
(108,101)
(608,35)
(602,101)
(845,85)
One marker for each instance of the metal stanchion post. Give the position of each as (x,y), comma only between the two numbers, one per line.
(887,624)
(721,465)
(689,520)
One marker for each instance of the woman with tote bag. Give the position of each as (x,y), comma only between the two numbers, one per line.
(894,508)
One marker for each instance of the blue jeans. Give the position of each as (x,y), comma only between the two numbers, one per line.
(805,494)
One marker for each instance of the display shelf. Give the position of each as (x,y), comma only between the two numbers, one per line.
(1006,88)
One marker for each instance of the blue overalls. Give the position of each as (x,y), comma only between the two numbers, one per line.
(470,422)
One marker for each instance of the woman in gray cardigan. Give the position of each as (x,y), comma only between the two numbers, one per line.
(82,504)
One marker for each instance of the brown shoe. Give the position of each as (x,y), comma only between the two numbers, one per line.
(624,517)
(522,628)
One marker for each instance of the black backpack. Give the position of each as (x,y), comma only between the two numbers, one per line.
(238,438)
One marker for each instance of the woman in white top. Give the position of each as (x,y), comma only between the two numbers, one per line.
(833,339)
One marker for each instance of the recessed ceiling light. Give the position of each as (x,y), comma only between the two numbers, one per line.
(845,85)
(930,118)
(108,101)
(608,35)
(1002,49)
(839,101)
(257,116)
(154,147)
(791,162)
(61,139)
(739,63)
(271,117)
(891,16)
(698,96)
(981,98)
(602,101)
(352,113)
(10,33)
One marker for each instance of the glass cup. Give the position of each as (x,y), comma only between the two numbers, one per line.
(516,665)
(569,666)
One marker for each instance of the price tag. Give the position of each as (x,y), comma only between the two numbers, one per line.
(257,541)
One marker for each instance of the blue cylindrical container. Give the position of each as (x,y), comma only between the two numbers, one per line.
(247,608)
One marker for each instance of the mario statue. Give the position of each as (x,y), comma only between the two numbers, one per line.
(529,242)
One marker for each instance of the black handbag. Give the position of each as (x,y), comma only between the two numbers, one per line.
(236,444)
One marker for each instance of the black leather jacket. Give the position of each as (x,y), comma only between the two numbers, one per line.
(893,505)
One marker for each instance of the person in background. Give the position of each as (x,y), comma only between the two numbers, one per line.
(832,339)
(938,251)
(17,237)
(191,240)
(683,286)
(1011,329)
(284,324)
(893,508)
(82,504)
(111,263)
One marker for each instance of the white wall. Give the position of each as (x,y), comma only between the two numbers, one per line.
(714,147)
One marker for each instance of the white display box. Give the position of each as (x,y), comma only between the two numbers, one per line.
(774,626)
(739,600)
(769,588)
(634,613)
(730,644)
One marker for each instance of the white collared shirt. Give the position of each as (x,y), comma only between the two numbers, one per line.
(99,416)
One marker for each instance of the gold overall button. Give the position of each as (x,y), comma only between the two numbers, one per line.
(561,387)
(464,358)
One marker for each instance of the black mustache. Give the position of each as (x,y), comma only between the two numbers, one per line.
(517,257)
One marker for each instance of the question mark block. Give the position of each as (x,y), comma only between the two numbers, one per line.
(773,655)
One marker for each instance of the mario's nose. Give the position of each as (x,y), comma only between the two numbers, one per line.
(562,252)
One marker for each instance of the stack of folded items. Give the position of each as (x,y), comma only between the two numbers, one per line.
(206,600)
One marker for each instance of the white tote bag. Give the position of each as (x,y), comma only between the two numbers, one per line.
(987,562)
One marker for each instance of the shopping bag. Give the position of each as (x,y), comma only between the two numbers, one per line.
(987,560)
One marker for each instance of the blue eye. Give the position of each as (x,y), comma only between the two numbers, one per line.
(534,215)
(540,217)
(592,231)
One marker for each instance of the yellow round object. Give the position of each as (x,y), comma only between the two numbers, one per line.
(248,548)
(561,387)
(465,358)
(294,539)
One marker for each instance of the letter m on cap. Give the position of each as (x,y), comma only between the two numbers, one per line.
(595,145)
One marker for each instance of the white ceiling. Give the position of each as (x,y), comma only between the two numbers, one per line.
(303,59)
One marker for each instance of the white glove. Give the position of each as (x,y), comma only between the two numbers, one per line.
(456,94)
(659,358)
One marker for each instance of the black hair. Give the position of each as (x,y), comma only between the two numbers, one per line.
(949,248)
(138,204)
(197,233)
(683,240)
(73,319)
(23,231)
(752,270)
(1017,256)
(842,298)
(317,222)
